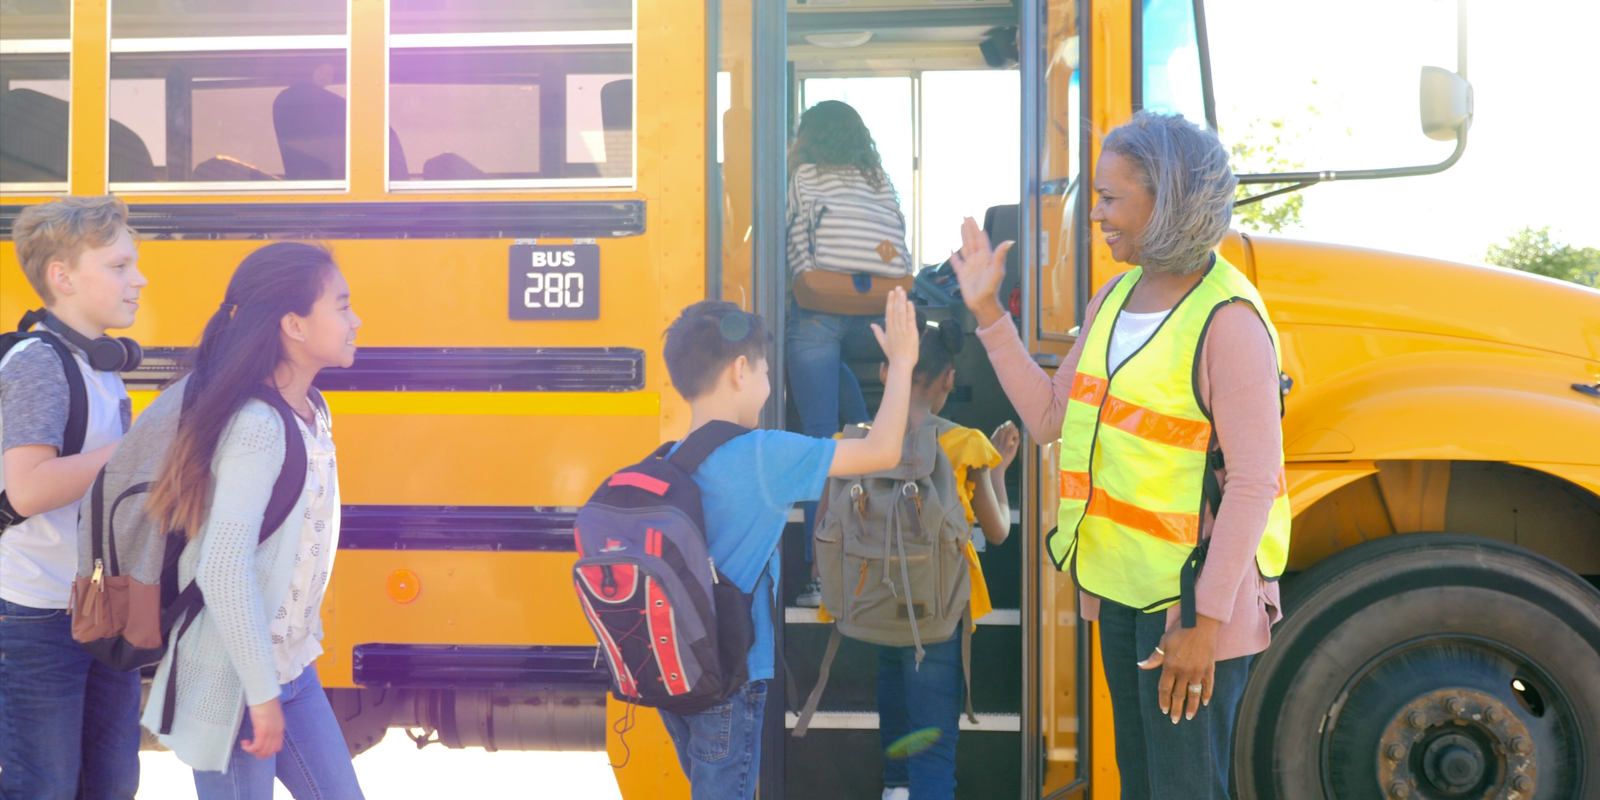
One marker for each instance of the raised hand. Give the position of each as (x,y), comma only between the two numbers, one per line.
(1006,439)
(980,269)
(898,336)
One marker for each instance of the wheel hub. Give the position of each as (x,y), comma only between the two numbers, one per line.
(1453,761)
(1456,743)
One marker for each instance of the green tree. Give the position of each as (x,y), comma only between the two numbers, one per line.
(1260,149)
(1538,252)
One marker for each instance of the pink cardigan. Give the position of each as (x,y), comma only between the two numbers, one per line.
(1239,383)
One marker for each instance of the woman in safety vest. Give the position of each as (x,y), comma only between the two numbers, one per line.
(1167,409)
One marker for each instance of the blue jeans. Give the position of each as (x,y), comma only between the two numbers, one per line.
(69,725)
(912,699)
(314,763)
(720,747)
(1158,759)
(825,391)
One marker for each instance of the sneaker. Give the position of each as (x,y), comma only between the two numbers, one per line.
(811,596)
(897,793)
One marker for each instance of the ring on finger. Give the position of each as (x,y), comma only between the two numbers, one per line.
(1196,688)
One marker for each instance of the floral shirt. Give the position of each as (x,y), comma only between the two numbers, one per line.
(296,628)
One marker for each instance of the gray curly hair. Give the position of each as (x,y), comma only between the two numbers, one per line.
(1185,168)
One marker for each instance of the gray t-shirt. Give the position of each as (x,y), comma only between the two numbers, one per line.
(34,399)
(39,556)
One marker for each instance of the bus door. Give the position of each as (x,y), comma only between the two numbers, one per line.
(950,101)
(1055,147)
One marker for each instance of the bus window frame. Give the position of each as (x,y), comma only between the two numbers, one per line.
(1034,28)
(43,47)
(175,45)
(487,40)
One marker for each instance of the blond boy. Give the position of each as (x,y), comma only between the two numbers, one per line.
(69,726)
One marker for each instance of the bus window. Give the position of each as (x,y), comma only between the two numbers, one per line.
(885,105)
(503,94)
(1171,60)
(34,93)
(966,168)
(223,111)
(1059,291)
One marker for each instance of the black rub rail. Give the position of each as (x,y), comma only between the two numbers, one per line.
(488,528)
(578,219)
(448,666)
(450,369)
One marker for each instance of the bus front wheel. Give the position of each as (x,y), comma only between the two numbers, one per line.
(1427,667)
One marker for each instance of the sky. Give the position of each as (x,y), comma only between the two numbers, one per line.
(1530,157)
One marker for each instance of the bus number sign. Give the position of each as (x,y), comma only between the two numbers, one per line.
(555,281)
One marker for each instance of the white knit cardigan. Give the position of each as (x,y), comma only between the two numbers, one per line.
(225,658)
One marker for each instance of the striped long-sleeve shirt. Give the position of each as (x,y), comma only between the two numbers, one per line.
(840,222)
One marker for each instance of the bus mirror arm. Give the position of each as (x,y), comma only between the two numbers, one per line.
(1300,180)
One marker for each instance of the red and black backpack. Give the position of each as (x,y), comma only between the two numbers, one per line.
(675,632)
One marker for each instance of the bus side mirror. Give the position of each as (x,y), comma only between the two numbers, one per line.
(1446,101)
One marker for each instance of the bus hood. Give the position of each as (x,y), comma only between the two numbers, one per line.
(1306,283)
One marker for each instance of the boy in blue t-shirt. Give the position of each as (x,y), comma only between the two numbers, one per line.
(715,354)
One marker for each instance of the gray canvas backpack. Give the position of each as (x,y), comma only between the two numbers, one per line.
(890,552)
(126,598)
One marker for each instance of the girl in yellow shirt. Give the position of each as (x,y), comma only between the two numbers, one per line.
(912,698)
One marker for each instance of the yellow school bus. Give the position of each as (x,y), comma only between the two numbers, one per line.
(523,194)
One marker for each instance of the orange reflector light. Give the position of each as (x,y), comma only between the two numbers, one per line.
(404,586)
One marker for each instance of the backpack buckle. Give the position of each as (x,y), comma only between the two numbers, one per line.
(910,490)
(859,495)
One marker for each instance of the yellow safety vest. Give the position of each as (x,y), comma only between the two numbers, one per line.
(1137,454)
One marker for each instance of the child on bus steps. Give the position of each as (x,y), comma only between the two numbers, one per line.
(286,316)
(69,725)
(913,698)
(716,357)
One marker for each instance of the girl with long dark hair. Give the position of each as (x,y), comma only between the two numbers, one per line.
(844,219)
(253,646)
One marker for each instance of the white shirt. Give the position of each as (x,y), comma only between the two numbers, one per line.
(296,627)
(1130,332)
(39,557)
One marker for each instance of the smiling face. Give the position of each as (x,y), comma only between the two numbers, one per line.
(100,290)
(1124,205)
(327,336)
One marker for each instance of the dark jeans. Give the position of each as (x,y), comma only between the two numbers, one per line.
(912,699)
(1158,759)
(825,391)
(69,725)
(720,748)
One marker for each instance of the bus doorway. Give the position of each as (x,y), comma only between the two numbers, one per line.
(941,92)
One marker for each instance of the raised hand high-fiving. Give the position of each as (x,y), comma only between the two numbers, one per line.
(979,270)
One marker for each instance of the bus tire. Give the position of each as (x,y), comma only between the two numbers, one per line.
(1427,666)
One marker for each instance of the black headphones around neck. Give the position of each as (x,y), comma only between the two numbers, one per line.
(105,354)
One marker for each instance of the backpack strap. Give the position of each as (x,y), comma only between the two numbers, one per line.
(1189,576)
(966,658)
(804,723)
(77,401)
(909,508)
(292,477)
(77,395)
(286,493)
(704,441)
